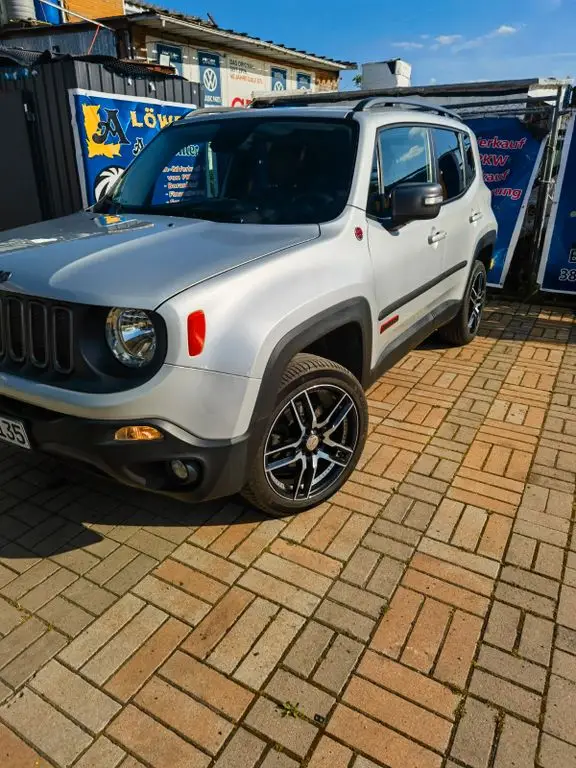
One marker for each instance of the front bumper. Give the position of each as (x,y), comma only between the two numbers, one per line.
(222,465)
(209,404)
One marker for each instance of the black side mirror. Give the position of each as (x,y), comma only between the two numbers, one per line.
(416,201)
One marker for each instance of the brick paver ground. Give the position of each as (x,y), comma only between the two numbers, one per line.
(426,617)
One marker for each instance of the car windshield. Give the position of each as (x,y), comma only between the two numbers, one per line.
(247,169)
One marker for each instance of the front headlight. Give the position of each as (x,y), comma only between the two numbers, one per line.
(131,336)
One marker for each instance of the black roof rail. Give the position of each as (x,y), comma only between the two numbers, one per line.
(359,101)
(371,102)
(199,111)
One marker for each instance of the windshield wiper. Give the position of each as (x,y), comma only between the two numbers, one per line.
(205,213)
(107,205)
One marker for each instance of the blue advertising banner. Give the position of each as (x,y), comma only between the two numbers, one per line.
(210,78)
(279,78)
(557,272)
(303,81)
(510,158)
(111,129)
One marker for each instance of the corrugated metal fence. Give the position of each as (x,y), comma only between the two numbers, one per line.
(44,90)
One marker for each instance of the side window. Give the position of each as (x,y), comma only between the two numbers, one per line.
(469,162)
(404,157)
(450,162)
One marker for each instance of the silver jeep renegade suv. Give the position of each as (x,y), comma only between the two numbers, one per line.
(222,342)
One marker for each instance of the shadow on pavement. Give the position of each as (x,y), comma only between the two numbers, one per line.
(47,508)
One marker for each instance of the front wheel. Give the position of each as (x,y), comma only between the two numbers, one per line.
(462,329)
(313,440)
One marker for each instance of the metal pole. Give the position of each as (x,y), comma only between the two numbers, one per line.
(93,41)
(546,182)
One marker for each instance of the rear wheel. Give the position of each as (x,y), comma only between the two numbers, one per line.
(462,329)
(313,439)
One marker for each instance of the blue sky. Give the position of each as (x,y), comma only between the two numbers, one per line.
(444,40)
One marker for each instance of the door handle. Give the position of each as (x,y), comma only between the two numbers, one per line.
(435,237)
(475,217)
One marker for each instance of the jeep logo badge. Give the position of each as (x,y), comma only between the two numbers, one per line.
(5,276)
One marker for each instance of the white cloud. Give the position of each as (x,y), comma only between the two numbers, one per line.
(414,152)
(503,30)
(468,45)
(448,39)
(408,46)
(424,37)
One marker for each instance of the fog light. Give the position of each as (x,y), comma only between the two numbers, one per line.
(138,433)
(180,470)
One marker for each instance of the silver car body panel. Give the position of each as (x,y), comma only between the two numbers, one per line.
(131,260)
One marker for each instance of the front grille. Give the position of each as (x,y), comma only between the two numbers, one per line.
(37,334)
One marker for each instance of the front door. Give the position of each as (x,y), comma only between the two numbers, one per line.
(407,260)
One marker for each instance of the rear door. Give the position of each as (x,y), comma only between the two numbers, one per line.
(406,260)
(457,214)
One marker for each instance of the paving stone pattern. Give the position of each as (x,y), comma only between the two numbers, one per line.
(425,618)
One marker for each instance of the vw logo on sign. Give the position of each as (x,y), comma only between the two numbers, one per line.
(210,80)
(279,85)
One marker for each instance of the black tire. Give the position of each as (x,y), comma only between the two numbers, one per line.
(459,330)
(313,379)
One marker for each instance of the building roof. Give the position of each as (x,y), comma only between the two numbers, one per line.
(207,31)
(198,30)
(18,56)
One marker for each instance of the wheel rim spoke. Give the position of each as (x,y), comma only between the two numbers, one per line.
(337,462)
(333,444)
(297,417)
(326,422)
(283,448)
(300,478)
(273,466)
(476,302)
(309,409)
(340,418)
(310,476)
(474,318)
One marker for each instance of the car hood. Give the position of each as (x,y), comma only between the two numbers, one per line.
(131,260)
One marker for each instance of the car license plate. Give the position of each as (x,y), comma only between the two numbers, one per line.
(13,432)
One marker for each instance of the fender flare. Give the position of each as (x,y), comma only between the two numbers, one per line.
(486,241)
(356,310)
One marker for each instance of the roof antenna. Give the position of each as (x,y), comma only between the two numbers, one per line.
(211,18)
